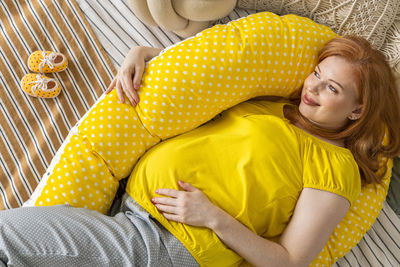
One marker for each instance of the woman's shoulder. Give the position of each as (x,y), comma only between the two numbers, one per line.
(331,168)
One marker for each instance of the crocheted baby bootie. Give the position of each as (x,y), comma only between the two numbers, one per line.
(47,62)
(40,86)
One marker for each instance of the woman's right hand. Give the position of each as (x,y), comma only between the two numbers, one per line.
(127,81)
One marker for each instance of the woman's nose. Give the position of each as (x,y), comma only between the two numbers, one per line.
(315,87)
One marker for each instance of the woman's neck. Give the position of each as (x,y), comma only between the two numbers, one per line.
(336,142)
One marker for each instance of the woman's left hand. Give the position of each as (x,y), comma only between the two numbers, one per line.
(190,206)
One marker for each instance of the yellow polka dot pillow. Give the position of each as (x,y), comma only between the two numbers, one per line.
(185,86)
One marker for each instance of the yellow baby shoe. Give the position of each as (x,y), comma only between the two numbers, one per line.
(40,86)
(47,62)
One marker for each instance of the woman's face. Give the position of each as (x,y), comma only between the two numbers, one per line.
(329,96)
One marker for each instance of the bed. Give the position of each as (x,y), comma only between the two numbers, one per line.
(95,35)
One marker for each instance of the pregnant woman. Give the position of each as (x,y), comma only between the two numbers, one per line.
(264,181)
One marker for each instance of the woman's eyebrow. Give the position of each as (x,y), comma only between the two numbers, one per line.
(331,79)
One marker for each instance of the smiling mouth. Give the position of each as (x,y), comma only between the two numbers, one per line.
(309,101)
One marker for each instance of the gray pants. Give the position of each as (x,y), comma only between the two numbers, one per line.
(66,236)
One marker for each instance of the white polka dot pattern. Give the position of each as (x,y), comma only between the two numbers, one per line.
(117,135)
(108,143)
(80,179)
(262,54)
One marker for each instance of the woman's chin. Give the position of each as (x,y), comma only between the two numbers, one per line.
(306,110)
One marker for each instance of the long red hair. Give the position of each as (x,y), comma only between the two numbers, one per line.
(381,108)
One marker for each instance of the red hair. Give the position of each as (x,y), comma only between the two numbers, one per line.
(381,107)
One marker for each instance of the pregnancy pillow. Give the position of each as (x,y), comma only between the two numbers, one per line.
(185,86)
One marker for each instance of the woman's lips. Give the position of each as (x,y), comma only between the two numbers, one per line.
(309,101)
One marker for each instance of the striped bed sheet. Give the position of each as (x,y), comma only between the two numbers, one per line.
(32,129)
(118,29)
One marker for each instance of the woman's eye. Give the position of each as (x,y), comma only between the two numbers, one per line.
(316,74)
(332,88)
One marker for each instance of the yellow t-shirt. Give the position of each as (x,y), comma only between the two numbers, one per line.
(250,161)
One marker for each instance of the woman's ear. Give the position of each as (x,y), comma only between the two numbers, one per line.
(356,114)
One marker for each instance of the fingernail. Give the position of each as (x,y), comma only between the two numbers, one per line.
(136,86)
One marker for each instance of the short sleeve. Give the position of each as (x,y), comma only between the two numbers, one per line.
(331,168)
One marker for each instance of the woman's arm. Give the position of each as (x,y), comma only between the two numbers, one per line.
(128,78)
(315,217)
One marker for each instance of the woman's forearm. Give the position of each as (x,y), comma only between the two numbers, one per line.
(148,52)
(255,249)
